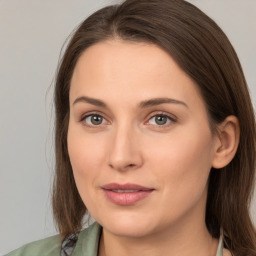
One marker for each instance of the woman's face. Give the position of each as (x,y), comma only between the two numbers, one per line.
(139,140)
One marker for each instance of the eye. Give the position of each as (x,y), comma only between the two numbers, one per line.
(160,120)
(94,120)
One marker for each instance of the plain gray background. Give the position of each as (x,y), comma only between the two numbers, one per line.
(32,33)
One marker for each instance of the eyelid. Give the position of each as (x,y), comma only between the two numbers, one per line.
(96,113)
(172,118)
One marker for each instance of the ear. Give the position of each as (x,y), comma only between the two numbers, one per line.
(227,141)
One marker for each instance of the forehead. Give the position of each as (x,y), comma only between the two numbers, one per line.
(118,57)
(123,69)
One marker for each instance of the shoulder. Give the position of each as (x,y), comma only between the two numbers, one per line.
(88,240)
(49,246)
(87,244)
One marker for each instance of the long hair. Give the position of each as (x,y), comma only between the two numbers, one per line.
(205,54)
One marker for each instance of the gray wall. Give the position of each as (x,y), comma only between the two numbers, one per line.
(31,35)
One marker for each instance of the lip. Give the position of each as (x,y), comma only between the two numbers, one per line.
(126,194)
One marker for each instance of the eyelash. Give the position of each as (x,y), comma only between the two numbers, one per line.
(90,115)
(171,119)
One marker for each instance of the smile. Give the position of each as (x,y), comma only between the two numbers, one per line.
(126,194)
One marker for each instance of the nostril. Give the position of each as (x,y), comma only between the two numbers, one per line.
(122,167)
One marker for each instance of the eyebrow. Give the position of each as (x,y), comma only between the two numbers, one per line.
(143,104)
(92,101)
(159,101)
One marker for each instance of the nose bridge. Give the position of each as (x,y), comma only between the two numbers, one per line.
(124,149)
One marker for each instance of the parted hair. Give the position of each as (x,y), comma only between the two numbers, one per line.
(203,51)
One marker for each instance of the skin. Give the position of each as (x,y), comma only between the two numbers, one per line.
(130,146)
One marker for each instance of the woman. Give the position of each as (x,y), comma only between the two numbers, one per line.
(155,137)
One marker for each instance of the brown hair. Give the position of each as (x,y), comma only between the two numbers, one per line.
(204,52)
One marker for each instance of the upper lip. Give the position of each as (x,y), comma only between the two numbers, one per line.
(127,186)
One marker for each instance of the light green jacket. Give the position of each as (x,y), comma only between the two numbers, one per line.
(87,245)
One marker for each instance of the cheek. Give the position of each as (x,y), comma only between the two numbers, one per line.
(86,155)
(182,162)
(183,174)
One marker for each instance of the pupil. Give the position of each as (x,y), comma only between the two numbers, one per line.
(96,120)
(161,120)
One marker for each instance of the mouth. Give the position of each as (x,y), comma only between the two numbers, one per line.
(126,194)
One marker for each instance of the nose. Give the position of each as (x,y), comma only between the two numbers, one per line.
(125,153)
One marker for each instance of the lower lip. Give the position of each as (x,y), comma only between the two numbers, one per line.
(126,198)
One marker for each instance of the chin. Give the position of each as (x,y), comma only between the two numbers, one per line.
(132,231)
(127,225)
